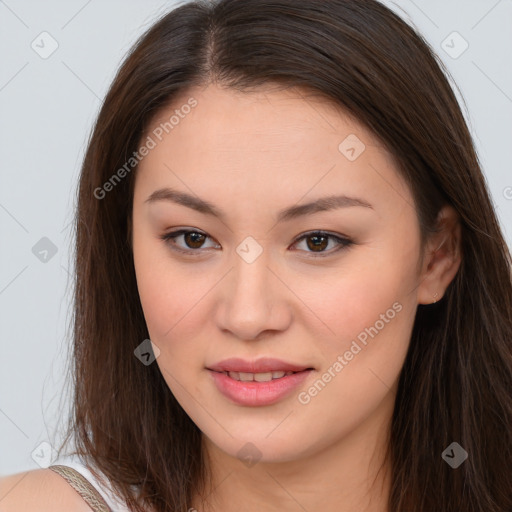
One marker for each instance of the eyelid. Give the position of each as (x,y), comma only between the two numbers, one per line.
(169,237)
(343,241)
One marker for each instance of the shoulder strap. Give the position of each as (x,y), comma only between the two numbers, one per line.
(81,485)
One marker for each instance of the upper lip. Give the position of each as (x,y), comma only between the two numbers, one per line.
(265,364)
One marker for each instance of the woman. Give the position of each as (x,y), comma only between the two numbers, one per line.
(292,290)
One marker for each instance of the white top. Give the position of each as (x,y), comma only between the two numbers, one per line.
(102,487)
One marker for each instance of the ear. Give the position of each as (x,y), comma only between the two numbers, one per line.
(441,257)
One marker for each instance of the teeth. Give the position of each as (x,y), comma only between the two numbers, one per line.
(258,377)
(263,377)
(247,376)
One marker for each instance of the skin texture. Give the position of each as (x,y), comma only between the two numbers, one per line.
(251,155)
(40,490)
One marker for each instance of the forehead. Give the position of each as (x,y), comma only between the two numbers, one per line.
(269,115)
(265,143)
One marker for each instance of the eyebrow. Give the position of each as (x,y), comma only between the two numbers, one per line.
(322,204)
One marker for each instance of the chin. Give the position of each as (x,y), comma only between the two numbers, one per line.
(259,448)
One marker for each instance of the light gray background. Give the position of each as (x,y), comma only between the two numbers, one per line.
(47,109)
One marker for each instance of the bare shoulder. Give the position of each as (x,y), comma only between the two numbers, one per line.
(40,490)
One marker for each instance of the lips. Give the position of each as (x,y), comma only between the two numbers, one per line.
(262,365)
(261,391)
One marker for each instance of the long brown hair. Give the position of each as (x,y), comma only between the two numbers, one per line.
(456,383)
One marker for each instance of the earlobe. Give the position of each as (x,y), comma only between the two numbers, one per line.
(442,257)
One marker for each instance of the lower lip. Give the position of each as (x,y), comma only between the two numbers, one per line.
(258,393)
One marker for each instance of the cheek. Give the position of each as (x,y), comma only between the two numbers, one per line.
(169,301)
(174,298)
(169,311)
(359,376)
(343,303)
(164,293)
(367,314)
(372,320)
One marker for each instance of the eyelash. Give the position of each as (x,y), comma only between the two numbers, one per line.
(169,238)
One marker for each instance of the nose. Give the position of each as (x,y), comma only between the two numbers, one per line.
(254,300)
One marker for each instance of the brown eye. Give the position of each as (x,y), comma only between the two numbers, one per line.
(192,240)
(318,241)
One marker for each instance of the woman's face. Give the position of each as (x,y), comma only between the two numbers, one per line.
(253,282)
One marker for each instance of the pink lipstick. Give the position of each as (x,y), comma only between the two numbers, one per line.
(256,383)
